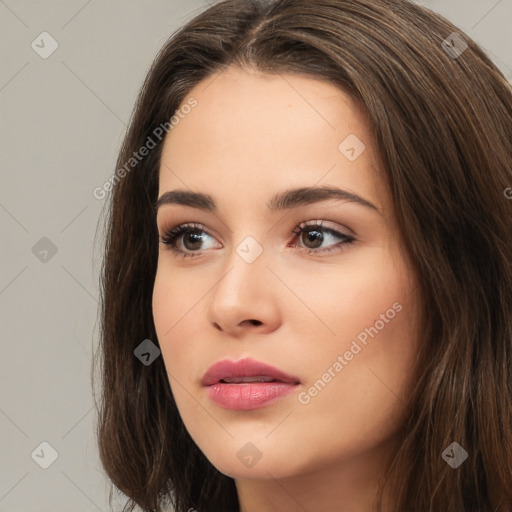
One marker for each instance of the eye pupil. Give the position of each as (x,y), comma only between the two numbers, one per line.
(317,237)
(193,237)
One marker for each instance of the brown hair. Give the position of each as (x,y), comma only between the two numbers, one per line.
(443,124)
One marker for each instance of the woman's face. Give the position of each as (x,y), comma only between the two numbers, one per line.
(339,316)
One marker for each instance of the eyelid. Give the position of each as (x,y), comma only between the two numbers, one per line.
(327,227)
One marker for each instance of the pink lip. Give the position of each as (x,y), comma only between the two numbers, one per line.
(246,396)
(246,367)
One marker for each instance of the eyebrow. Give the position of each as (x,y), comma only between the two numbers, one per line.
(286,200)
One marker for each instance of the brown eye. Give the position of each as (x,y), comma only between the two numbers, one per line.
(187,240)
(314,235)
(192,240)
(191,237)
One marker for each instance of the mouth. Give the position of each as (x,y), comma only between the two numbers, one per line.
(245,370)
(239,380)
(247,384)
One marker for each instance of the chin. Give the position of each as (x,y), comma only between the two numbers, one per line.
(244,460)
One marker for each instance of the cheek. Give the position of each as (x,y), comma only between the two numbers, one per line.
(173,313)
(175,317)
(371,310)
(163,304)
(378,313)
(345,300)
(177,353)
(174,295)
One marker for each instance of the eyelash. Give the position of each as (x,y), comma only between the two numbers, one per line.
(171,236)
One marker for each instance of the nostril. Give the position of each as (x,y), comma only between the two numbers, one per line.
(255,322)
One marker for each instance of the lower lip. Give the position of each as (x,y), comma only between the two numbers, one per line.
(247,396)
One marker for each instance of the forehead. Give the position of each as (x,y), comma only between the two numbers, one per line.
(257,132)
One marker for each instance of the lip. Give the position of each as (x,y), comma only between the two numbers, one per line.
(246,367)
(246,396)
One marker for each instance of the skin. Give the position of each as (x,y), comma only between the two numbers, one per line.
(251,136)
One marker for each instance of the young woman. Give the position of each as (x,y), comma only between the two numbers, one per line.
(307,281)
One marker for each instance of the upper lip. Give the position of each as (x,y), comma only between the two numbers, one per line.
(246,367)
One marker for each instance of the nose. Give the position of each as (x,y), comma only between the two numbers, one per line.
(245,298)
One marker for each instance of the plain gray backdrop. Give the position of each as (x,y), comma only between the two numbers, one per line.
(63,117)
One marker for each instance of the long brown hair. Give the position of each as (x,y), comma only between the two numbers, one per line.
(442,119)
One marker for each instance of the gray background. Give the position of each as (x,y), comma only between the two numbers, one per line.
(62,123)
